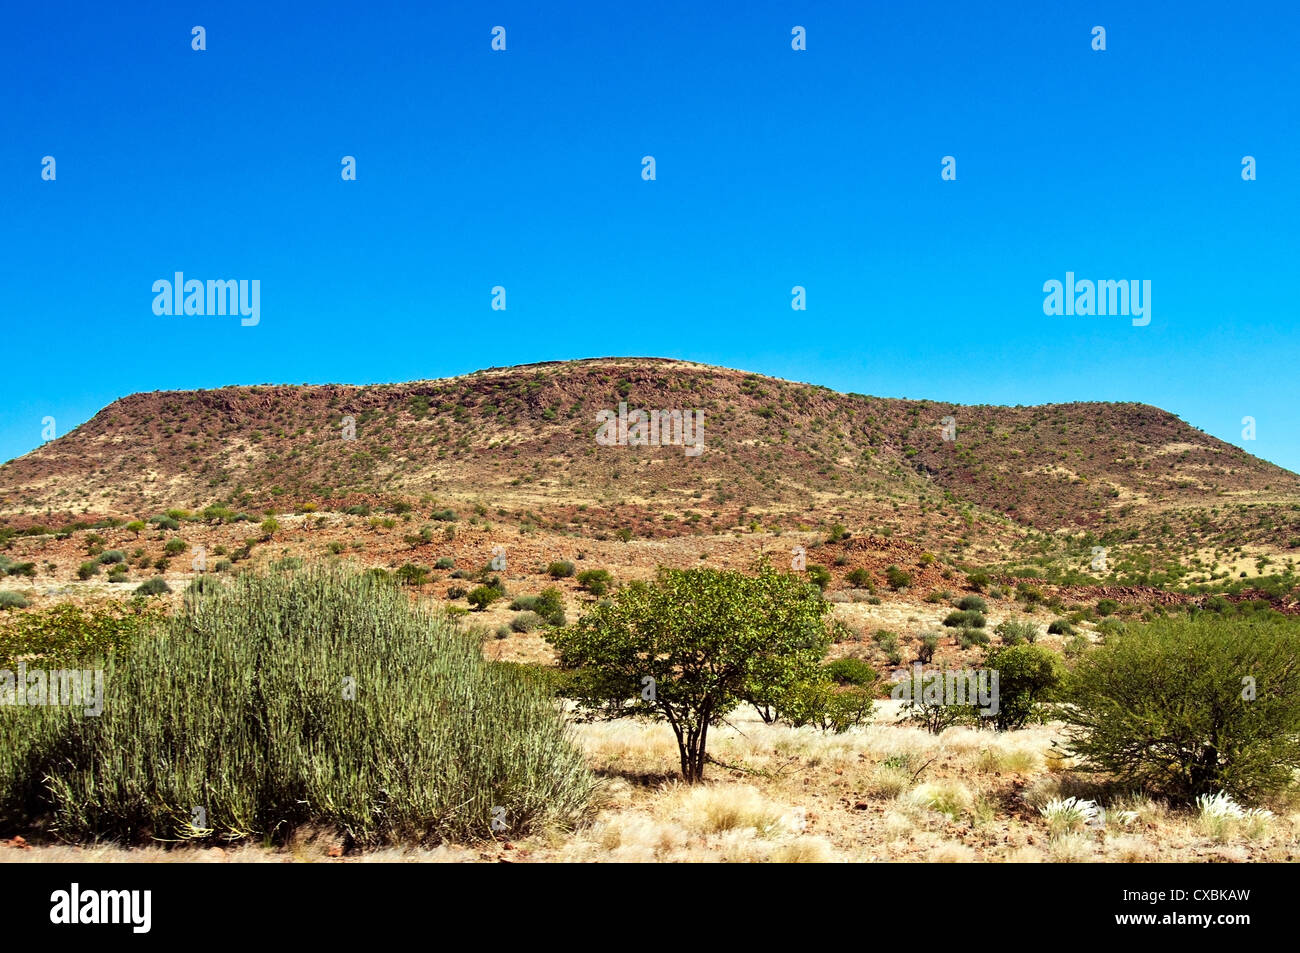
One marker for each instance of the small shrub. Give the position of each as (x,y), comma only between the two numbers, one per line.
(859,578)
(973,604)
(929,645)
(965,620)
(174,547)
(595,581)
(110,556)
(153,587)
(1017,632)
(483,596)
(851,671)
(444,562)
(12,600)
(1060,627)
(560,570)
(898,578)
(526,622)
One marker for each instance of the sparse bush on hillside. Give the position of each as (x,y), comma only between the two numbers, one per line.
(595,581)
(174,547)
(1017,632)
(1107,607)
(481,597)
(967,620)
(1189,707)
(898,578)
(978,581)
(560,570)
(88,569)
(819,576)
(153,587)
(973,604)
(1060,627)
(12,600)
(860,579)
(444,562)
(410,574)
(526,622)
(851,671)
(928,646)
(109,556)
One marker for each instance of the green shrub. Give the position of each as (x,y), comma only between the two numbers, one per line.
(166,523)
(433,743)
(550,606)
(109,556)
(1017,632)
(859,578)
(1167,707)
(481,597)
(969,637)
(444,562)
(526,622)
(963,619)
(153,587)
(174,547)
(1060,627)
(502,631)
(1027,676)
(1107,607)
(17,569)
(851,671)
(560,570)
(524,604)
(444,516)
(819,576)
(897,577)
(595,581)
(88,569)
(929,645)
(223,565)
(973,604)
(410,574)
(977,580)
(67,633)
(12,600)
(456,592)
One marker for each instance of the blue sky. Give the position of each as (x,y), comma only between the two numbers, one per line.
(775,168)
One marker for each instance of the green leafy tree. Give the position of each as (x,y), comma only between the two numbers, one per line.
(691,646)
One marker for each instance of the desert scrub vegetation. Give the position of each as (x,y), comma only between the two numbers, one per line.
(319,697)
(71,633)
(1185,708)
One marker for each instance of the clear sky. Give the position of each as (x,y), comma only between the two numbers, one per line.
(774,168)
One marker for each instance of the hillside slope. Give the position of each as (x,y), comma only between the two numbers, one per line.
(775,450)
